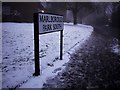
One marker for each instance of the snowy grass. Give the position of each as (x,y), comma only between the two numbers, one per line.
(17,50)
(18,53)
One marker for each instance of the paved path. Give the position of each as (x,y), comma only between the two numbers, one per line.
(93,66)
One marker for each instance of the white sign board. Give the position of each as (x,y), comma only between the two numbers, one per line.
(50,23)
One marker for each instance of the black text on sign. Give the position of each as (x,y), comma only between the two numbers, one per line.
(50,23)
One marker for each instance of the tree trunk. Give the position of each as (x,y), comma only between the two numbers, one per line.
(75,11)
(80,20)
(75,17)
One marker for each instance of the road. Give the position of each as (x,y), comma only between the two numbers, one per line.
(92,66)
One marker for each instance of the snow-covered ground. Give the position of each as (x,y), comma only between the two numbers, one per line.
(18,53)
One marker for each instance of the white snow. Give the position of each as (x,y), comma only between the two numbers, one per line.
(115,46)
(18,53)
(116,49)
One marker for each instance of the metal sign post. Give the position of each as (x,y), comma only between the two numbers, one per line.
(36,45)
(61,44)
(46,23)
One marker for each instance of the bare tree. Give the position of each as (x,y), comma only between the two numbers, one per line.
(76,7)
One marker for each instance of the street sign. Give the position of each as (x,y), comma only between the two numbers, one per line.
(50,23)
(46,23)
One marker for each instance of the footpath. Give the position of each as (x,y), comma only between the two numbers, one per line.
(92,66)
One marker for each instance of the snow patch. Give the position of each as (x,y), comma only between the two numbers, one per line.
(115,46)
(116,49)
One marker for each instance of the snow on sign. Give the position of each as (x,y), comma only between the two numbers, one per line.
(50,23)
(46,23)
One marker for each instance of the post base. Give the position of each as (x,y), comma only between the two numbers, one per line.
(36,74)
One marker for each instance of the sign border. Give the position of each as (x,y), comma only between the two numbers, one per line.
(50,14)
